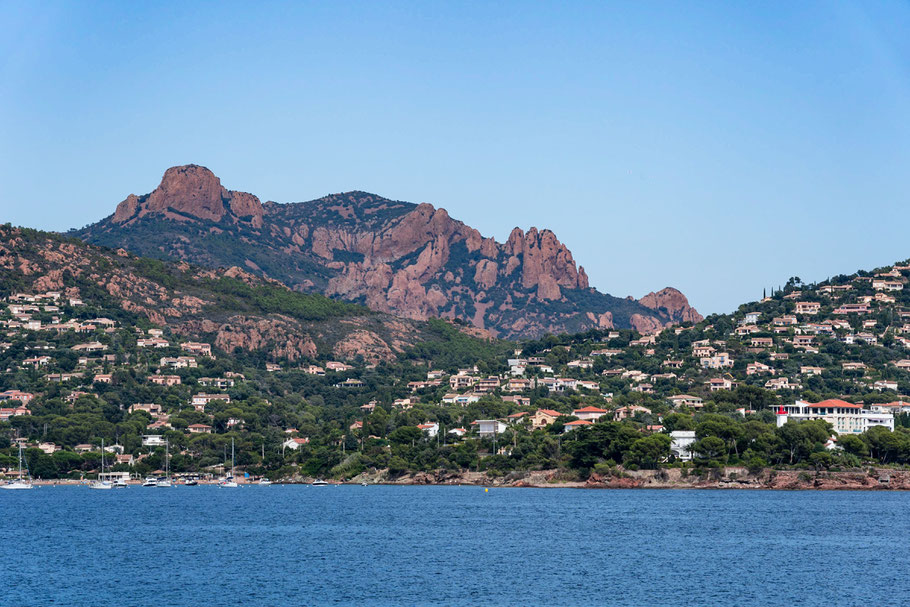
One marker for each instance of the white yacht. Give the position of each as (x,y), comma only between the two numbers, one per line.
(264,481)
(166,481)
(100,484)
(120,484)
(20,484)
(319,483)
(229,482)
(150,481)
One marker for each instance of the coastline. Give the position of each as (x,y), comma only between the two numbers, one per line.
(866,479)
(731,477)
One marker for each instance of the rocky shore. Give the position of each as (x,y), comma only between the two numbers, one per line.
(722,478)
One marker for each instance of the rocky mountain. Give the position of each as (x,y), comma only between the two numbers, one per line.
(229,308)
(410,260)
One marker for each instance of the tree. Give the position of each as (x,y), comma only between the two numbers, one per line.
(406,435)
(709,448)
(799,438)
(853,445)
(678,421)
(397,465)
(884,445)
(649,451)
(821,459)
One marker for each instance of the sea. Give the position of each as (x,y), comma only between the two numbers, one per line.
(428,545)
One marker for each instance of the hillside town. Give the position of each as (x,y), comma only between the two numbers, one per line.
(720,391)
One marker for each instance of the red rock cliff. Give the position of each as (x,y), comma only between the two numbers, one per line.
(673,303)
(194,191)
(413,261)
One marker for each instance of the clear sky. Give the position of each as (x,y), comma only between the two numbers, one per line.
(715,147)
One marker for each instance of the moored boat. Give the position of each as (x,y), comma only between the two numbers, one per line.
(166,481)
(20,484)
(101,484)
(229,482)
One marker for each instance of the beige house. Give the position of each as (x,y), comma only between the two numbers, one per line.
(589,413)
(629,411)
(544,417)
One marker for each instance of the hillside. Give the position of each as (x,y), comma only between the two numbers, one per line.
(846,338)
(405,259)
(231,308)
(99,344)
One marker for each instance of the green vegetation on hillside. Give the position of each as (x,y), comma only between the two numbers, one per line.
(90,367)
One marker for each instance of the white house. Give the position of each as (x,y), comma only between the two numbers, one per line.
(576,424)
(152,440)
(846,418)
(685,400)
(490,427)
(679,446)
(432,429)
(885,384)
(295,443)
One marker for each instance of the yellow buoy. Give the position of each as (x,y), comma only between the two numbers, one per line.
(486,489)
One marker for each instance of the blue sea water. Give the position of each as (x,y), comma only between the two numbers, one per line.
(353,545)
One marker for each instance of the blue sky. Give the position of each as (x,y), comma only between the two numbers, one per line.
(715,147)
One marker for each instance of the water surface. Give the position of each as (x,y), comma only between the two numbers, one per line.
(352,545)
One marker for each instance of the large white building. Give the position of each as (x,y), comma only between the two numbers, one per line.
(682,440)
(844,417)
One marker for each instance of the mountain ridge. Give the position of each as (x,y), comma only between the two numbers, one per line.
(410,260)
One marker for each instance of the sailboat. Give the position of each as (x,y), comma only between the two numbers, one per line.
(229,481)
(101,484)
(166,481)
(20,484)
(264,480)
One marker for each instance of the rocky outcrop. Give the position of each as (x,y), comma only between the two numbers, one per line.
(191,191)
(673,478)
(645,324)
(413,261)
(365,344)
(279,335)
(127,209)
(673,303)
(546,263)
